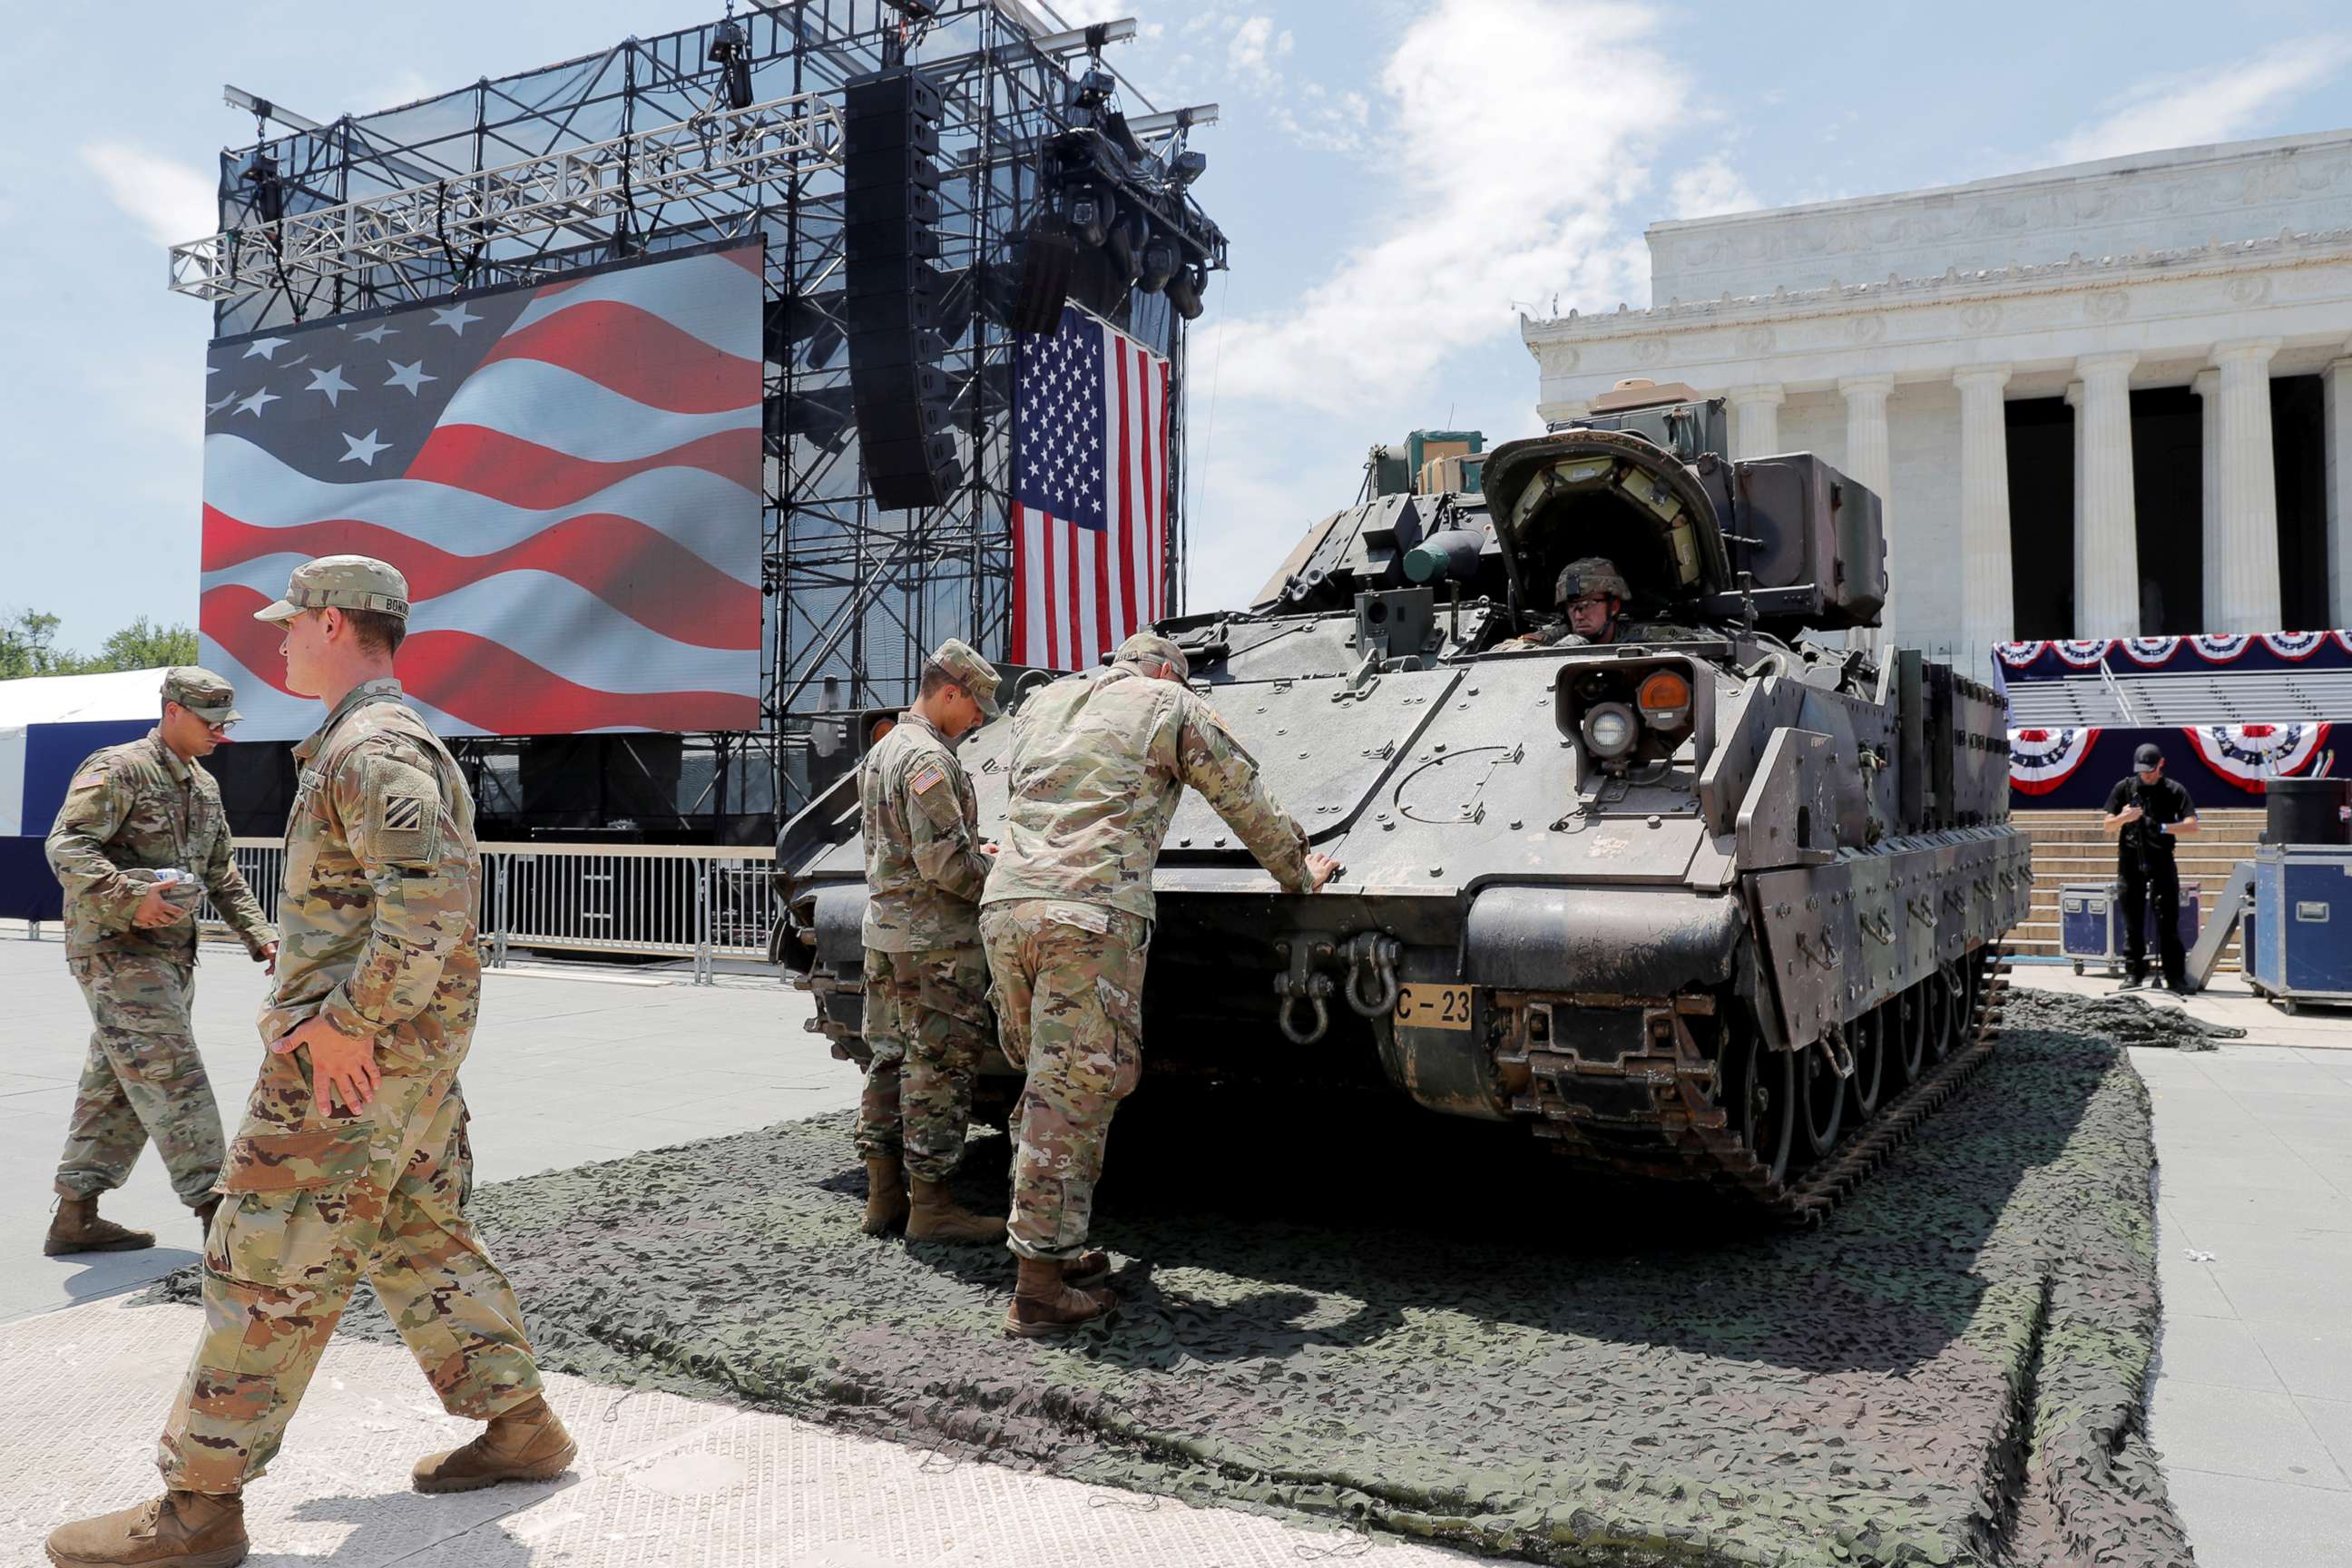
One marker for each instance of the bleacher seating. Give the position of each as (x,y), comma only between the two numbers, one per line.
(2252,696)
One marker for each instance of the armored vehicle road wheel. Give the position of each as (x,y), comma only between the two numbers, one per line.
(1943,1009)
(1867,1035)
(1824,1098)
(1764,1114)
(1906,1034)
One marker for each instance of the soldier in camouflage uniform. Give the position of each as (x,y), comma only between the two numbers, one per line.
(352,1159)
(1592,595)
(925,986)
(1097,767)
(141,832)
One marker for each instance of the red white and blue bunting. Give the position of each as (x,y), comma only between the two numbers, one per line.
(2042,760)
(2057,660)
(2246,754)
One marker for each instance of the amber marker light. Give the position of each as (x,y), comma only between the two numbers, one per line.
(1665,700)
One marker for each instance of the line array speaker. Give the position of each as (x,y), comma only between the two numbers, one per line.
(893,287)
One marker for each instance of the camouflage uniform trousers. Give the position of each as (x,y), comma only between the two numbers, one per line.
(1069,985)
(143,1081)
(310,1204)
(927,1020)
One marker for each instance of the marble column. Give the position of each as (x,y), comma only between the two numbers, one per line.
(1755,419)
(2206,385)
(2336,382)
(2107,538)
(2246,491)
(1866,463)
(1987,607)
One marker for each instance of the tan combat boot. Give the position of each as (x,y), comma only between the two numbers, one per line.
(937,1217)
(1088,1268)
(885,1196)
(526,1444)
(178,1530)
(1043,1303)
(77,1228)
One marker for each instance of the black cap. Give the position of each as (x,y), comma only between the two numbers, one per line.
(2148,756)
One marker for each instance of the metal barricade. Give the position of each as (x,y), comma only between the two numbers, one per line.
(637,900)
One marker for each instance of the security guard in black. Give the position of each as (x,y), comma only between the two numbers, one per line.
(2147,812)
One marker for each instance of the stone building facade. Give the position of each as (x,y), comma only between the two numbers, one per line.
(2103,400)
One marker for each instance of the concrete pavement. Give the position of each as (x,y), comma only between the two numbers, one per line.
(2252,1406)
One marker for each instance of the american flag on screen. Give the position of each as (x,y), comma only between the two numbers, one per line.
(567,474)
(1089,492)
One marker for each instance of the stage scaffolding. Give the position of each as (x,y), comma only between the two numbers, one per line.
(635,150)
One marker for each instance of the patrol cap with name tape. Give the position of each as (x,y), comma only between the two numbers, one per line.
(967,669)
(342,583)
(1145,649)
(202,693)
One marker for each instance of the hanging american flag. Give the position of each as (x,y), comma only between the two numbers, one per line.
(567,474)
(1089,492)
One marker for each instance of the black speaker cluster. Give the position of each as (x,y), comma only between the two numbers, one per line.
(894,293)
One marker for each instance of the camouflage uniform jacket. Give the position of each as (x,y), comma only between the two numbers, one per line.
(1554,633)
(140,806)
(920,821)
(1098,768)
(377,913)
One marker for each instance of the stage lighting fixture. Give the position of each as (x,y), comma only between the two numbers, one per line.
(1125,242)
(1093,88)
(1186,167)
(1090,214)
(1161,260)
(1185,287)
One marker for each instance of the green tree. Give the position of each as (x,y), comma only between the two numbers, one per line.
(144,645)
(27,647)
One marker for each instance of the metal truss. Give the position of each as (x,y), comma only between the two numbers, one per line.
(700,158)
(519,179)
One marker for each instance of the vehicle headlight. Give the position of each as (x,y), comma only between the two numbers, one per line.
(1609,730)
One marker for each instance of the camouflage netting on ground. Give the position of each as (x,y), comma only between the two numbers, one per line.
(1397,1322)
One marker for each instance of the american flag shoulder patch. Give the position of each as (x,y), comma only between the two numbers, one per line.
(922,782)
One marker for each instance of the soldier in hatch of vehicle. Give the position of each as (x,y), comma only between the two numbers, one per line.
(1097,767)
(926,983)
(1592,595)
(352,1159)
(141,832)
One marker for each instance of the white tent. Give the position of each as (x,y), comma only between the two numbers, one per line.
(120,696)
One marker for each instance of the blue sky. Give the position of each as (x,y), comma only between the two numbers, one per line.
(1400,178)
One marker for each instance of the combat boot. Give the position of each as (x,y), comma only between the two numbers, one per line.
(1088,1268)
(1043,1303)
(178,1530)
(526,1444)
(937,1217)
(77,1228)
(885,1196)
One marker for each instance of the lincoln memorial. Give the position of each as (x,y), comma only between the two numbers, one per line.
(2103,400)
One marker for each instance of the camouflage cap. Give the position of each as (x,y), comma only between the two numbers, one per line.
(202,693)
(969,670)
(1145,649)
(343,583)
(1592,574)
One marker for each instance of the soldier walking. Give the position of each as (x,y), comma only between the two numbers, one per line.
(141,831)
(926,985)
(351,1160)
(1098,768)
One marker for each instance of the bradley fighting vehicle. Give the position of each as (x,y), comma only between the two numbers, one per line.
(1704,904)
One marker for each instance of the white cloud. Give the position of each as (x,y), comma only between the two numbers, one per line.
(2218,104)
(1517,187)
(1708,188)
(171,200)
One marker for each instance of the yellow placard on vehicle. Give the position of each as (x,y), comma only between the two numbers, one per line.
(1425,1006)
